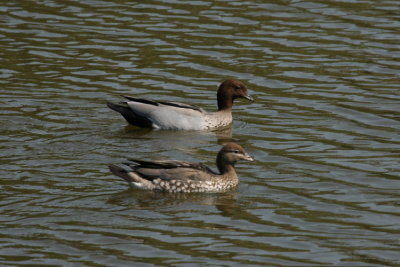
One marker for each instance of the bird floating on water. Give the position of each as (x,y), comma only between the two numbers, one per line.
(180,116)
(181,176)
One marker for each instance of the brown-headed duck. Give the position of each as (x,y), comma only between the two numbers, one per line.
(179,116)
(182,176)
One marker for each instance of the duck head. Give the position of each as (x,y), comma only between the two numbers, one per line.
(228,91)
(229,155)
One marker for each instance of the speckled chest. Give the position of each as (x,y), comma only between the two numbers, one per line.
(190,186)
(217,120)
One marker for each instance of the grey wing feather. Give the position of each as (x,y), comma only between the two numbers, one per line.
(182,105)
(168,103)
(163,164)
(171,169)
(170,164)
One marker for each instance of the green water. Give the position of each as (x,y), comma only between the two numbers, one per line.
(324,130)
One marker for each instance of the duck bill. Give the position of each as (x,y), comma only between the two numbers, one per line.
(248,157)
(249,97)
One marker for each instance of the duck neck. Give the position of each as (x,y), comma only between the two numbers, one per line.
(225,167)
(225,101)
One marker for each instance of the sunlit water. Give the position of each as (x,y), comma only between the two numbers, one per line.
(324,130)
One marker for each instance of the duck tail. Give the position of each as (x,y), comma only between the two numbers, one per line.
(122,108)
(130,116)
(121,172)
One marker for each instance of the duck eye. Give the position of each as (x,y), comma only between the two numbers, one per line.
(236,151)
(237,87)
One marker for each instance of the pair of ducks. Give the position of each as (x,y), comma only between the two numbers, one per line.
(182,176)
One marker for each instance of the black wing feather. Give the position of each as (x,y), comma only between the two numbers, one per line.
(170,164)
(157,103)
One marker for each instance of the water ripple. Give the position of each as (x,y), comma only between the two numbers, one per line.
(324,130)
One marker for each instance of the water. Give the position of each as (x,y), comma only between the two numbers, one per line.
(324,130)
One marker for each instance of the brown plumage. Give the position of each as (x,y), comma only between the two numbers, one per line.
(179,116)
(182,176)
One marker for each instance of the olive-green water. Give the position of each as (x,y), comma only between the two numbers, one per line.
(324,129)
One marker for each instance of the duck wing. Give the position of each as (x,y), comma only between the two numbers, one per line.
(171,170)
(167,103)
(167,115)
(164,164)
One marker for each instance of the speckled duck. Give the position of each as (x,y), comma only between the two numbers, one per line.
(179,116)
(181,176)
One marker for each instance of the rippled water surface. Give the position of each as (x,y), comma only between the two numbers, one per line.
(324,130)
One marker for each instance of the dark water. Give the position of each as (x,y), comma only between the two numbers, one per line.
(324,129)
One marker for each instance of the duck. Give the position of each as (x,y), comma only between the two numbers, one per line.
(175,176)
(166,115)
